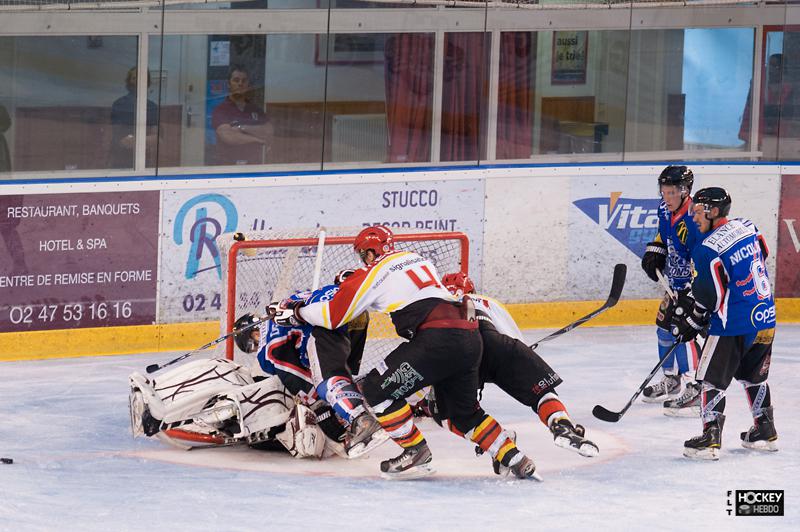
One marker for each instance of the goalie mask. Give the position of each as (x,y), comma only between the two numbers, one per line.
(379,239)
(458,284)
(245,339)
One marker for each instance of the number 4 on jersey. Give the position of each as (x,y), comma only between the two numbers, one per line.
(426,273)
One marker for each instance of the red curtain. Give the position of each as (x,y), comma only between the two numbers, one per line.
(515,95)
(409,96)
(464,95)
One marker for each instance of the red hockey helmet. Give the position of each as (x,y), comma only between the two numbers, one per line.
(378,238)
(458,283)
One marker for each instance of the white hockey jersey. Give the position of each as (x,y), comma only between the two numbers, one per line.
(389,284)
(498,314)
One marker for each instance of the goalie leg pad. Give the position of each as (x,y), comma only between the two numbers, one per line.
(260,406)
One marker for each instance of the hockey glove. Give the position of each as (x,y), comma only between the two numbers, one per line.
(286,313)
(687,324)
(655,258)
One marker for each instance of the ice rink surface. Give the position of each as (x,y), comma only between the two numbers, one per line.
(76,467)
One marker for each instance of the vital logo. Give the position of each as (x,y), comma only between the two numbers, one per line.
(204,230)
(633,222)
(792,233)
(755,503)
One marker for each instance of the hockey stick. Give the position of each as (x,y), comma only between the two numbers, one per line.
(664,283)
(616,289)
(605,414)
(152,368)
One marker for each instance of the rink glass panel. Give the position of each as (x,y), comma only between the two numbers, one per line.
(56,99)
(493,84)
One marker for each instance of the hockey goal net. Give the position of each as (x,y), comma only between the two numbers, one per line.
(269,266)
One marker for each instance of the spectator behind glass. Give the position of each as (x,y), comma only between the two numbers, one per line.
(241,127)
(775,105)
(123,120)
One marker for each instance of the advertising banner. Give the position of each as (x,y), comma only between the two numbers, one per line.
(190,264)
(78,260)
(787,282)
(612,218)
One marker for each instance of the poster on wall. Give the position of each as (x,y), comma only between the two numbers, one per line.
(570,53)
(78,260)
(191,272)
(787,281)
(611,220)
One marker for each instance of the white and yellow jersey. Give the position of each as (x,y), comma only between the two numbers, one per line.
(498,315)
(389,284)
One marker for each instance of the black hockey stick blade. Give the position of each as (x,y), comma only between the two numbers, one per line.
(604,414)
(617,284)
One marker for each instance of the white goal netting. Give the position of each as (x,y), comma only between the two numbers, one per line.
(269,266)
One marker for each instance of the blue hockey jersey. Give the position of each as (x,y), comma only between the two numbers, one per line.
(273,336)
(680,234)
(732,279)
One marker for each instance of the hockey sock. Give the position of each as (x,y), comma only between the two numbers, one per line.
(758,396)
(550,409)
(713,401)
(491,437)
(399,425)
(341,393)
(665,341)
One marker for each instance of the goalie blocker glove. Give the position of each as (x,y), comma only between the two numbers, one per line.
(655,258)
(286,313)
(686,325)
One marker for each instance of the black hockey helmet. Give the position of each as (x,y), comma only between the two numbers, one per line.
(244,339)
(679,176)
(713,197)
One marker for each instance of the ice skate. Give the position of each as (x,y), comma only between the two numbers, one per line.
(365,434)
(524,469)
(762,436)
(667,388)
(706,446)
(414,462)
(687,404)
(570,436)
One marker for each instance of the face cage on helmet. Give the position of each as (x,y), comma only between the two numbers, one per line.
(685,192)
(706,210)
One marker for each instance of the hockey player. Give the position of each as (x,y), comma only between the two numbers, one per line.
(670,254)
(732,292)
(517,369)
(318,362)
(212,402)
(443,350)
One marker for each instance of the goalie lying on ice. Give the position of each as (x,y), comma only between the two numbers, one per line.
(214,402)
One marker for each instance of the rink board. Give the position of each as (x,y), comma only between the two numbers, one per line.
(544,239)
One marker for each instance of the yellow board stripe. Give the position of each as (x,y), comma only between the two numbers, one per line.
(137,339)
(101,341)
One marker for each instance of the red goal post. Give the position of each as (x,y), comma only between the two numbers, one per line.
(269,266)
